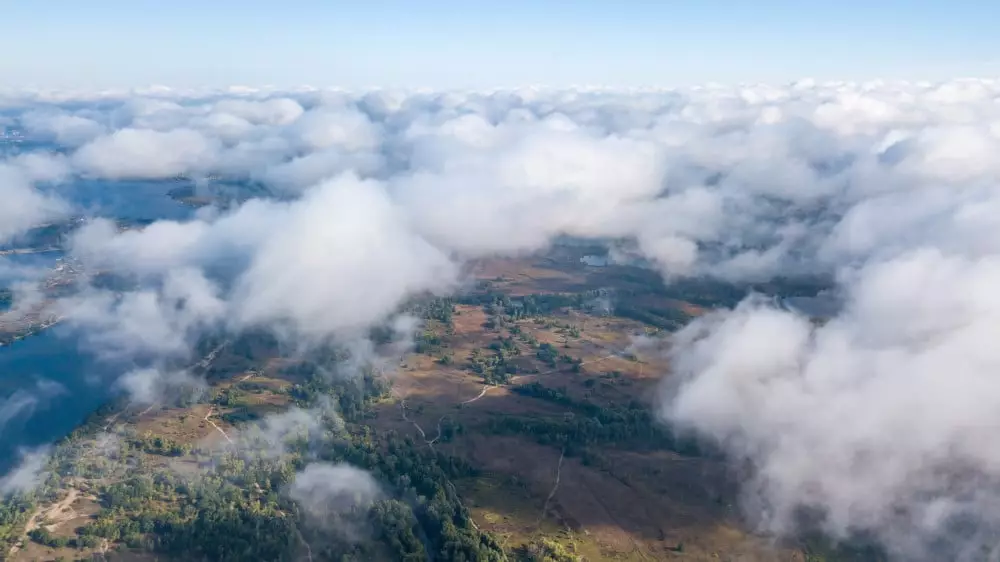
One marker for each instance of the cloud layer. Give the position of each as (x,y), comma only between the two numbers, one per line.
(878,419)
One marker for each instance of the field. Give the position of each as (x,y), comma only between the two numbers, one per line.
(542,378)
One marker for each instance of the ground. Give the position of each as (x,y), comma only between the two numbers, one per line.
(604,500)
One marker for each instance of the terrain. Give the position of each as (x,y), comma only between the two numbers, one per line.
(519,425)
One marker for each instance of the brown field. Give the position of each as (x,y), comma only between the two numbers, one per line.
(631,505)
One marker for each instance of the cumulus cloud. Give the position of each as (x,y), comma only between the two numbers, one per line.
(337,260)
(161,321)
(344,259)
(65,129)
(879,419)
(24,205)
(145,153)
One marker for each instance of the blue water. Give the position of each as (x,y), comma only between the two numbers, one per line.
(126,200)
(64,384)
(48,386)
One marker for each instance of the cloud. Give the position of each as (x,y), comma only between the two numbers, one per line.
(337,260)
(275,111)
(62,128)
(162,321)
(880,418)
(344,259)
(159,386)
(23,402)
(144,153)
(29,472)
(271,436)
(334,496)
(24,206)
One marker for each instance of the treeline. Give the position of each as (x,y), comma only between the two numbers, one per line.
(665,318)
(586,423)
(527,306)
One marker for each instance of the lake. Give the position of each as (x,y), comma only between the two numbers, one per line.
(133,200)
(48,387)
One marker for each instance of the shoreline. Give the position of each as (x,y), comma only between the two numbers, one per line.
(8,339)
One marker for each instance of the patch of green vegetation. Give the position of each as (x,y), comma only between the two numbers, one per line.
(156,445)
(231,398)
(240,415)
(428,342)
(494,365)
(14,514)
(546,550)
(586,424)
(547,354)
(237,511)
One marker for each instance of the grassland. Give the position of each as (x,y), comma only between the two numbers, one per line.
(534,380)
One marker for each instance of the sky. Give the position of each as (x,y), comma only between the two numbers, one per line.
(490,44)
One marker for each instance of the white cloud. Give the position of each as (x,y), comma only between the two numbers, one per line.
(334,496)
(342,259)
(23,402)
(24,206)
(145,153)
(152,385)
(28,474)
(881,418)
(62,128)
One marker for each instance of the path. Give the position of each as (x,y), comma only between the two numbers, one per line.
(441,419)
(486,387)
(545,506)
(204,363)
(55,512)
(219,429)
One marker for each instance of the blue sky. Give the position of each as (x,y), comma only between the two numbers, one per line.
(478,43)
